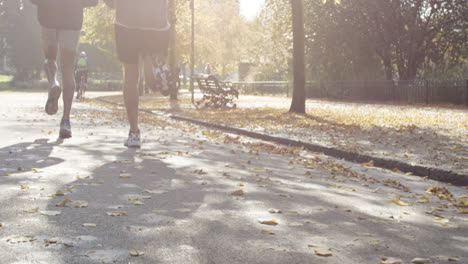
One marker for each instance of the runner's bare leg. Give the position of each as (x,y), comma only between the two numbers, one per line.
(131,76)
(67,60)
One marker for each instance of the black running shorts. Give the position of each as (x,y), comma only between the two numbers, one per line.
(133,43)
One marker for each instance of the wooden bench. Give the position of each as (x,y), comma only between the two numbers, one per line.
(215,93)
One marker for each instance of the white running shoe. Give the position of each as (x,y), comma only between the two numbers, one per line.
(133,140)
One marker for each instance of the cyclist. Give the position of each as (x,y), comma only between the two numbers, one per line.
(81,72)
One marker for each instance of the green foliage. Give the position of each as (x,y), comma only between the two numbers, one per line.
(22,33)
(368,39)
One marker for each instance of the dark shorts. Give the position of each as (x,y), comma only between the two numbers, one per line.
(133,43)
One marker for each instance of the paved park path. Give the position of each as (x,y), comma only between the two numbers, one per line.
(193,195)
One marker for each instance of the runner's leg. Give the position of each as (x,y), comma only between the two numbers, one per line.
(50,49)
(68,42)
(131,76)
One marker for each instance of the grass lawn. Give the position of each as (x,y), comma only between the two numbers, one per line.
(427,135)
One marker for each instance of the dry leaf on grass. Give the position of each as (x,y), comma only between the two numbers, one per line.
(368,164)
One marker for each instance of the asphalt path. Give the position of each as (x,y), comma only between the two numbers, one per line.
(89,199)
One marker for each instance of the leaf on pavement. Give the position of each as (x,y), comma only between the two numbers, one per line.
(117,213)
(89,225)
(136,201)
(398,202)
(80,204)
(238,192)
(268,222)
(1,224)
(125,175)
(23,187)
(323,254)
(60,193)
(388,260)
(267,232)
(49,213)
(421,260)
(135,252)
(275,211)
(63,203)
(452,259)
(32,210)
(200,172)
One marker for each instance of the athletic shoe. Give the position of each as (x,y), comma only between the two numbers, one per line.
(51,106)
(65,129)
(133,140)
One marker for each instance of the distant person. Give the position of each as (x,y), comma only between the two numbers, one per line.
(81,71)
(208,69)
(141,34)
(61,22)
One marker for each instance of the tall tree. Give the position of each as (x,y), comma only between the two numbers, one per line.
(298,100)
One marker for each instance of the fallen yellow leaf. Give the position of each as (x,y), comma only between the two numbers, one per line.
(24,187)
(421,260)
(398,202)
(320,254)
(266,232)
(368,164)
(238,192)
(117,213)
(269,222)
(63,203)
(135,252)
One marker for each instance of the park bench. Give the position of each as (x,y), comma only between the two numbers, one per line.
(215,92)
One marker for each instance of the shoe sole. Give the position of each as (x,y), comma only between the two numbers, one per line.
(51,107)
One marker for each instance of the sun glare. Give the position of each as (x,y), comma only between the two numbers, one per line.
(251,8)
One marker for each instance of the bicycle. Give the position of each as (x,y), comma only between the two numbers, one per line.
(81,85)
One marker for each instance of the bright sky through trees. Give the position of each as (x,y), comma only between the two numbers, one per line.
(251,8)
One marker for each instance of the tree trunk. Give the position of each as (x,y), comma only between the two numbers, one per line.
(298,100)
(172,50)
